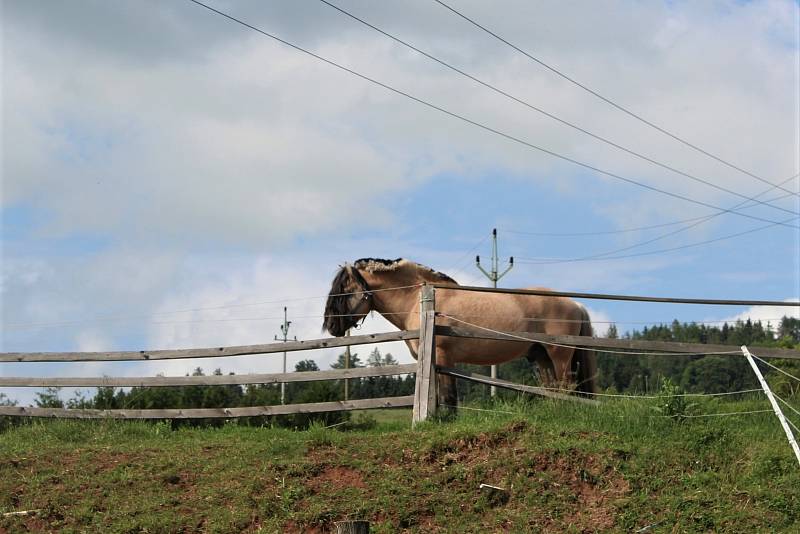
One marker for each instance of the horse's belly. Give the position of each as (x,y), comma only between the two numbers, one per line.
(483,352)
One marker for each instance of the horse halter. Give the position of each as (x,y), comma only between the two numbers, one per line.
(366,295)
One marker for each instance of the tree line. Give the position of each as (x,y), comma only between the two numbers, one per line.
(228,396)
(694,374)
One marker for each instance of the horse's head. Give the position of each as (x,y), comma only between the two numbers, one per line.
(349,301)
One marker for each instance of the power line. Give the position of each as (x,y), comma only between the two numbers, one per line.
(674,232)
(549,261)
(478,124)
(608,100)
(458,263)
(624,230)
(548,114)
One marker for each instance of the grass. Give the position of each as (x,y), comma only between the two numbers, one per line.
(565,467)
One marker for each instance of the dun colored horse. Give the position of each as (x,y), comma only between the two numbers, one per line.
(369,285)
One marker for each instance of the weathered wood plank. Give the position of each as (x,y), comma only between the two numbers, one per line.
(482,379)
(425,386)
(213,380)
(634,298)
(623,344)
(211,352)
(203,413)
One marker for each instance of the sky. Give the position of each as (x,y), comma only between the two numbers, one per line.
(158,157)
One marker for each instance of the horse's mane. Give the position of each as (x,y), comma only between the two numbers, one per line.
(379,264)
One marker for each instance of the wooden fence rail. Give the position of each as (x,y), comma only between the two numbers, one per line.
(208,413)
(212,352)
(213,380)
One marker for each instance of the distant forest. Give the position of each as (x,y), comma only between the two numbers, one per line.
(617,373)
(710,374)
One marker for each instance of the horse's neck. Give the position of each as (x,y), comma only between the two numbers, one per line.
(395,294)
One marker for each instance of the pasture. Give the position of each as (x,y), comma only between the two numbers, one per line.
(620,466)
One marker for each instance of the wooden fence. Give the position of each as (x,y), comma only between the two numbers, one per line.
(424,400)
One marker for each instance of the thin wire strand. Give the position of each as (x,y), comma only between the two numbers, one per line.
(775,367)
(460,260)
(795,410)
(221,307)
(718,414)
(624,230)
(553,261)
(627,396)
(608,100)
(654,323)
(551,115)
(703,220)
(479,409)
(793,425)
(580,347)
(481,125)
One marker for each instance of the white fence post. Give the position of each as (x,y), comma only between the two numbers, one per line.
(775,405)
(425,388)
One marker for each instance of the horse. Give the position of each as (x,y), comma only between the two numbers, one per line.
(392,288)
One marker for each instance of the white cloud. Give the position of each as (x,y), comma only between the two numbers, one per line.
(249,140)
(766,314)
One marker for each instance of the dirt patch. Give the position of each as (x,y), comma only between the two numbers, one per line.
(594,485)
(475,449)
(335,477)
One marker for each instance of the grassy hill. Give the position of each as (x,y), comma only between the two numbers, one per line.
(619,467)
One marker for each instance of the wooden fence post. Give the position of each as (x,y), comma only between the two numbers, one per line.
(425,389)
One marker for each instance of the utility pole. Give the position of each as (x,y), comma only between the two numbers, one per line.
(285,332)
(494,276)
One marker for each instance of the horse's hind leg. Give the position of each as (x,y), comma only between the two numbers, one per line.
(562,364)
(537,355)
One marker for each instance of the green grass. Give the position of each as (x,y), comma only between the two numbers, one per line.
(566,467)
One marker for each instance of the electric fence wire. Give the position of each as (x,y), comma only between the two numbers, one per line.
(692,416)
(785,403)
(608,100)
(482,126)
(610,351)
(553,116)
(775,367)
(322,316)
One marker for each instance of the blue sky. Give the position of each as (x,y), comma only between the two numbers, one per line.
(208,166)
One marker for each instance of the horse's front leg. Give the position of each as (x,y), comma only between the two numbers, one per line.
(562,360)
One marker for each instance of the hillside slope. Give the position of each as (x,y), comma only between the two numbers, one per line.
(619,467)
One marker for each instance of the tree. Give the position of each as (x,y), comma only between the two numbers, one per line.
(5,401)
(340,361)
(612,332)
(376,359)
(49,398)
(306,365)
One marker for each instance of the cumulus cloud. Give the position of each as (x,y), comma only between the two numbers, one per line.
(766,314)
(115,133)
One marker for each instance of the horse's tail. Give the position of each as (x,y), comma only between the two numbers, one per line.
(584,361)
